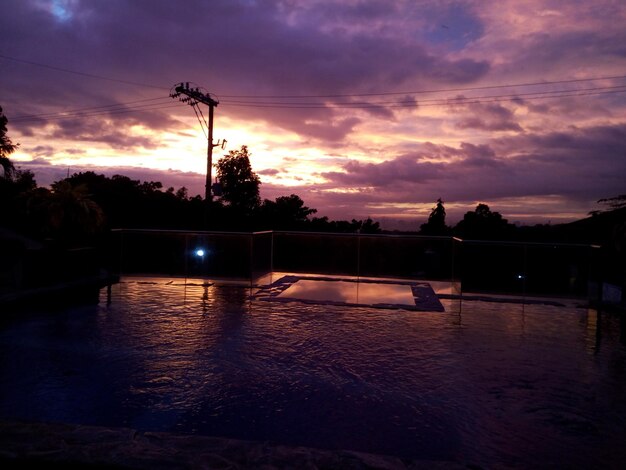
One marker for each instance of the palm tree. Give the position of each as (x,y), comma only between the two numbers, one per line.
(65,213)
(6,148)
(72,211)
(8,170)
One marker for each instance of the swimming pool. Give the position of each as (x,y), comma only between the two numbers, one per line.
(489,384)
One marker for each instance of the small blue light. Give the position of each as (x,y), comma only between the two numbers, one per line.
(200,252)
(520,276)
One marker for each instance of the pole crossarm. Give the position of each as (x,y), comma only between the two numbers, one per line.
(192,96)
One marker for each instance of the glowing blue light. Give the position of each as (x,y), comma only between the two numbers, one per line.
(520,276)
(200,252)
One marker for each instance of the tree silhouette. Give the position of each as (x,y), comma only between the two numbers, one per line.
(436,224)
(70,214)
(240,185)
(285,213)
(129,203)
(483,224)
(6,148)
(366,226)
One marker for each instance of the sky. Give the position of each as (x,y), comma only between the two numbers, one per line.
(368,108)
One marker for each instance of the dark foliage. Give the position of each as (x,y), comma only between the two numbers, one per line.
(436,224)
(131,203)
(483,224)
(284,213)
(239,184)
(6,148)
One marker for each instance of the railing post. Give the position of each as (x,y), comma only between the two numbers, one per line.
(358,253)
(525,271)
(186,255)
(251,256)
(271,255)
(121,263)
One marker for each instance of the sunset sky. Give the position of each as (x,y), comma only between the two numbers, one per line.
(362,108)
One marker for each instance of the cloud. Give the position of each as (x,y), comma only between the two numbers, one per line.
(103,131)
(569,163)
(41,151)
(287,73)
(268,172)
(489,117)
(400,169)
(36,162)
(251,48)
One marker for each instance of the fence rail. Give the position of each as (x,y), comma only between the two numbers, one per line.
(506,267)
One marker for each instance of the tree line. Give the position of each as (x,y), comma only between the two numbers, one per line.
(80,208)
(84,205)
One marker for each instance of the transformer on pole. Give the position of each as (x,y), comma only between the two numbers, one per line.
(193,96)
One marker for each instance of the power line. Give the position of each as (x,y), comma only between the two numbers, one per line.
(84,74)
(79,110)
(336,95)
(433,100)
(437,90)
(440,102)
(200,120)
(61,116)
(457,101)
(122,108)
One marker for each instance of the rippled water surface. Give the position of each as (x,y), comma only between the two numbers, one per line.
(487,384)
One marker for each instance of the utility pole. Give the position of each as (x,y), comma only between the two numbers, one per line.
(193,96)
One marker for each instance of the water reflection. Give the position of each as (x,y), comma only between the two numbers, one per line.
(365,293)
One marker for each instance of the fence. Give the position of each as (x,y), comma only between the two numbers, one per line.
(515,268)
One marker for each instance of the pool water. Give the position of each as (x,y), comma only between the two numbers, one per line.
(379,293)
(489,384)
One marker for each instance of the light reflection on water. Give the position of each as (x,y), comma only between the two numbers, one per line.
(350,292)
(498,384)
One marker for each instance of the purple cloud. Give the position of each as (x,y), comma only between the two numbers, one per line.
(567,163)
(254,48)
(400,169)
(489,117)
(268,172)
